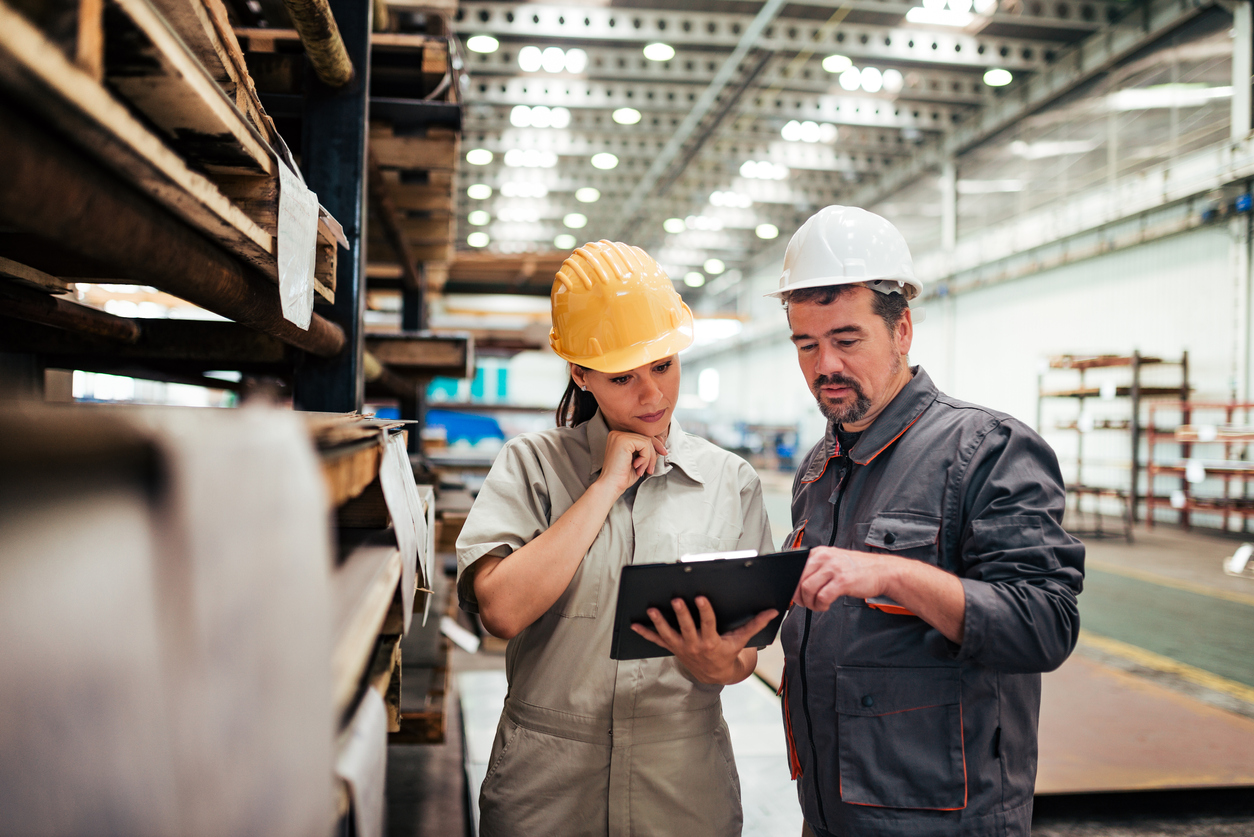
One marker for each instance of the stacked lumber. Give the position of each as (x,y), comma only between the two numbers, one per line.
(160,96)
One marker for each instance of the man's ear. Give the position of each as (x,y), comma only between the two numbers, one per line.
(904,333)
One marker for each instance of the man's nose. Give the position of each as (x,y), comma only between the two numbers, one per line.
(829,362)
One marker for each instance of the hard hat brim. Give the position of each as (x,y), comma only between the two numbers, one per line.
(827,281)
(638,354)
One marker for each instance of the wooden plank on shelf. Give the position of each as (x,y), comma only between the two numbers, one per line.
(33,71)
(349,470)
(422,197)
(428,231)
(424,353)
(149,65)
(362,590)
(31,278)
(384,676)
(436,150)
(1097,361)
(1119,392)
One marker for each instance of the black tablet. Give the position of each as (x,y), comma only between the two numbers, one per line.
(738,590)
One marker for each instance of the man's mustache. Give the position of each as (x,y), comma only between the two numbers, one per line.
(837,381)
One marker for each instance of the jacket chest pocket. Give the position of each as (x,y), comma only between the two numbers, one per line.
(906,534)
(900,737)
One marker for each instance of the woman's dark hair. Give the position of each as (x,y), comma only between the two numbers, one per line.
(576,406)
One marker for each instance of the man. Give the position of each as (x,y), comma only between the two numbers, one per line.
(940,582)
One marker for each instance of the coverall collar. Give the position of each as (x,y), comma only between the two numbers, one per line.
(678,445)
(903,411)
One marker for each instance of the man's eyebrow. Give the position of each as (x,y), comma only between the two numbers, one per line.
(849,329)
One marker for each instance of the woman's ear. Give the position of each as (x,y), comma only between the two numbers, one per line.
(577,375)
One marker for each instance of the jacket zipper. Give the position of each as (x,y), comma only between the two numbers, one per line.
(805,642)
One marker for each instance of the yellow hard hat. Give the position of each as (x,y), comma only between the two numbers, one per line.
(614,309)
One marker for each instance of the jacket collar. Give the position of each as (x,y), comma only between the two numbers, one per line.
(902,412)
(681,451)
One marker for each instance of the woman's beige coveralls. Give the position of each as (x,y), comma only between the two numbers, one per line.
(588,745)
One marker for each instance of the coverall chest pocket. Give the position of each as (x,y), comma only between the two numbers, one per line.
(900,737)
(906,534)
(583,595)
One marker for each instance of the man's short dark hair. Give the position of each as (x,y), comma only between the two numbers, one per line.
(890,307)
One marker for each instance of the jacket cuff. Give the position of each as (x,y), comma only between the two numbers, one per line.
(977,597)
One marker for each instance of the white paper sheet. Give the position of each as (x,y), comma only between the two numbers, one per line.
(297,247)
(396,477)
(362,762)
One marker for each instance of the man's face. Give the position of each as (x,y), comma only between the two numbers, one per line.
(853,364)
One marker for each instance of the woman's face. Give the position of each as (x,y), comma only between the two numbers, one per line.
(639,400)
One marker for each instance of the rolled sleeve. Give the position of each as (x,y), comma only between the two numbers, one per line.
(512,509)
(1021,571)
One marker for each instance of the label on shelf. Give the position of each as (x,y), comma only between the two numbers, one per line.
(297,247)
(1207,432)
(1195,471)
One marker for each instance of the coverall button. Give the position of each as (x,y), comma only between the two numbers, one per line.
(889,537)
(867,700)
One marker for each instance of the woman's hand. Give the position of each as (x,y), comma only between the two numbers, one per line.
(628,457)
(708,656)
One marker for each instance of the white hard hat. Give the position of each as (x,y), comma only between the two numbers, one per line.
(845,245)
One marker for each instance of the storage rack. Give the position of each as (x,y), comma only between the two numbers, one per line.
(1213,443)
(143,143)
(1092,382)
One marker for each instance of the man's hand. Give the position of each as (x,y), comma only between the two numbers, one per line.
(935,596)
(708,656)
(831,573)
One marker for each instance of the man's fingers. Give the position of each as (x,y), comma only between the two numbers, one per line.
(664,629)
(744,633)
(709,624)
(686,626)
(651,636)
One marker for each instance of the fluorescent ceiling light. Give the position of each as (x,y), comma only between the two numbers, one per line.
(604,161)
(530,59)
(1041,150)
(693,279)
(478,239)
(836,64)
(872,80)
(714,266)
(524,190)
(997,77)
(587,195)
(763,170)
(733,199)
(851,79)
(478,218)
(703,222)
(516,214)
(893,81)
(553,60)
(576,221)
(626,116)
(767,231)
(479,191)
(565,241)
(940,17)
(674,225)
(482,43)
(530,158)
(478,156)
(576,60)
(988,187)
(1165,96)
(659,52)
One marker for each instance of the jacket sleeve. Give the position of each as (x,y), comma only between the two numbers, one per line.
(1020,570)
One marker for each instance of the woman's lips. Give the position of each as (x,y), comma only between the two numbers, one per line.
(652,417)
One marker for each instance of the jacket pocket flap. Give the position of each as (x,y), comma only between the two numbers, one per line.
(884,691)
(895,531)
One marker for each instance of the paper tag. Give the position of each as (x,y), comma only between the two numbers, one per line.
(1194,471)
(716,556)
(1108,391)
(396,478)
(297,250)
(1207,432)
(362,763)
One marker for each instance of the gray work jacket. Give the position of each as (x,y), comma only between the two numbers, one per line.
(893,729)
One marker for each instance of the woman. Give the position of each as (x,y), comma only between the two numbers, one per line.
(588,745)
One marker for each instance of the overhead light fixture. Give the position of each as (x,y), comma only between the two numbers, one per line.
(763,170)
(478,239)
(732,199)
(553,60)
(540,116)
(587,195)
(693,279)
(479,191)
(478,218)
(576,60)
(530,59)
(893,81)
(604,161)
(659,51)
(524,190)
(517,215)
(998,77)
(1165,96)
(872,80)
(836,64)
(478,156)
(851,79)
(767,231)
(530,158)
(674,225)
(482,43)
(565,241)
(1041,150)
(714,266)
(626,116)
(576,221)
(703,222)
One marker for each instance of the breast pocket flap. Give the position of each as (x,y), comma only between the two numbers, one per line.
(885,691)
(895,531)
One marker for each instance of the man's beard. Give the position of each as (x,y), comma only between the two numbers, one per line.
(845,413)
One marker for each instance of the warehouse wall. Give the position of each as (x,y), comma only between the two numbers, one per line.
(987,345)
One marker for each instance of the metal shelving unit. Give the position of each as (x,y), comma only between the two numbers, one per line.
(1210,454)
